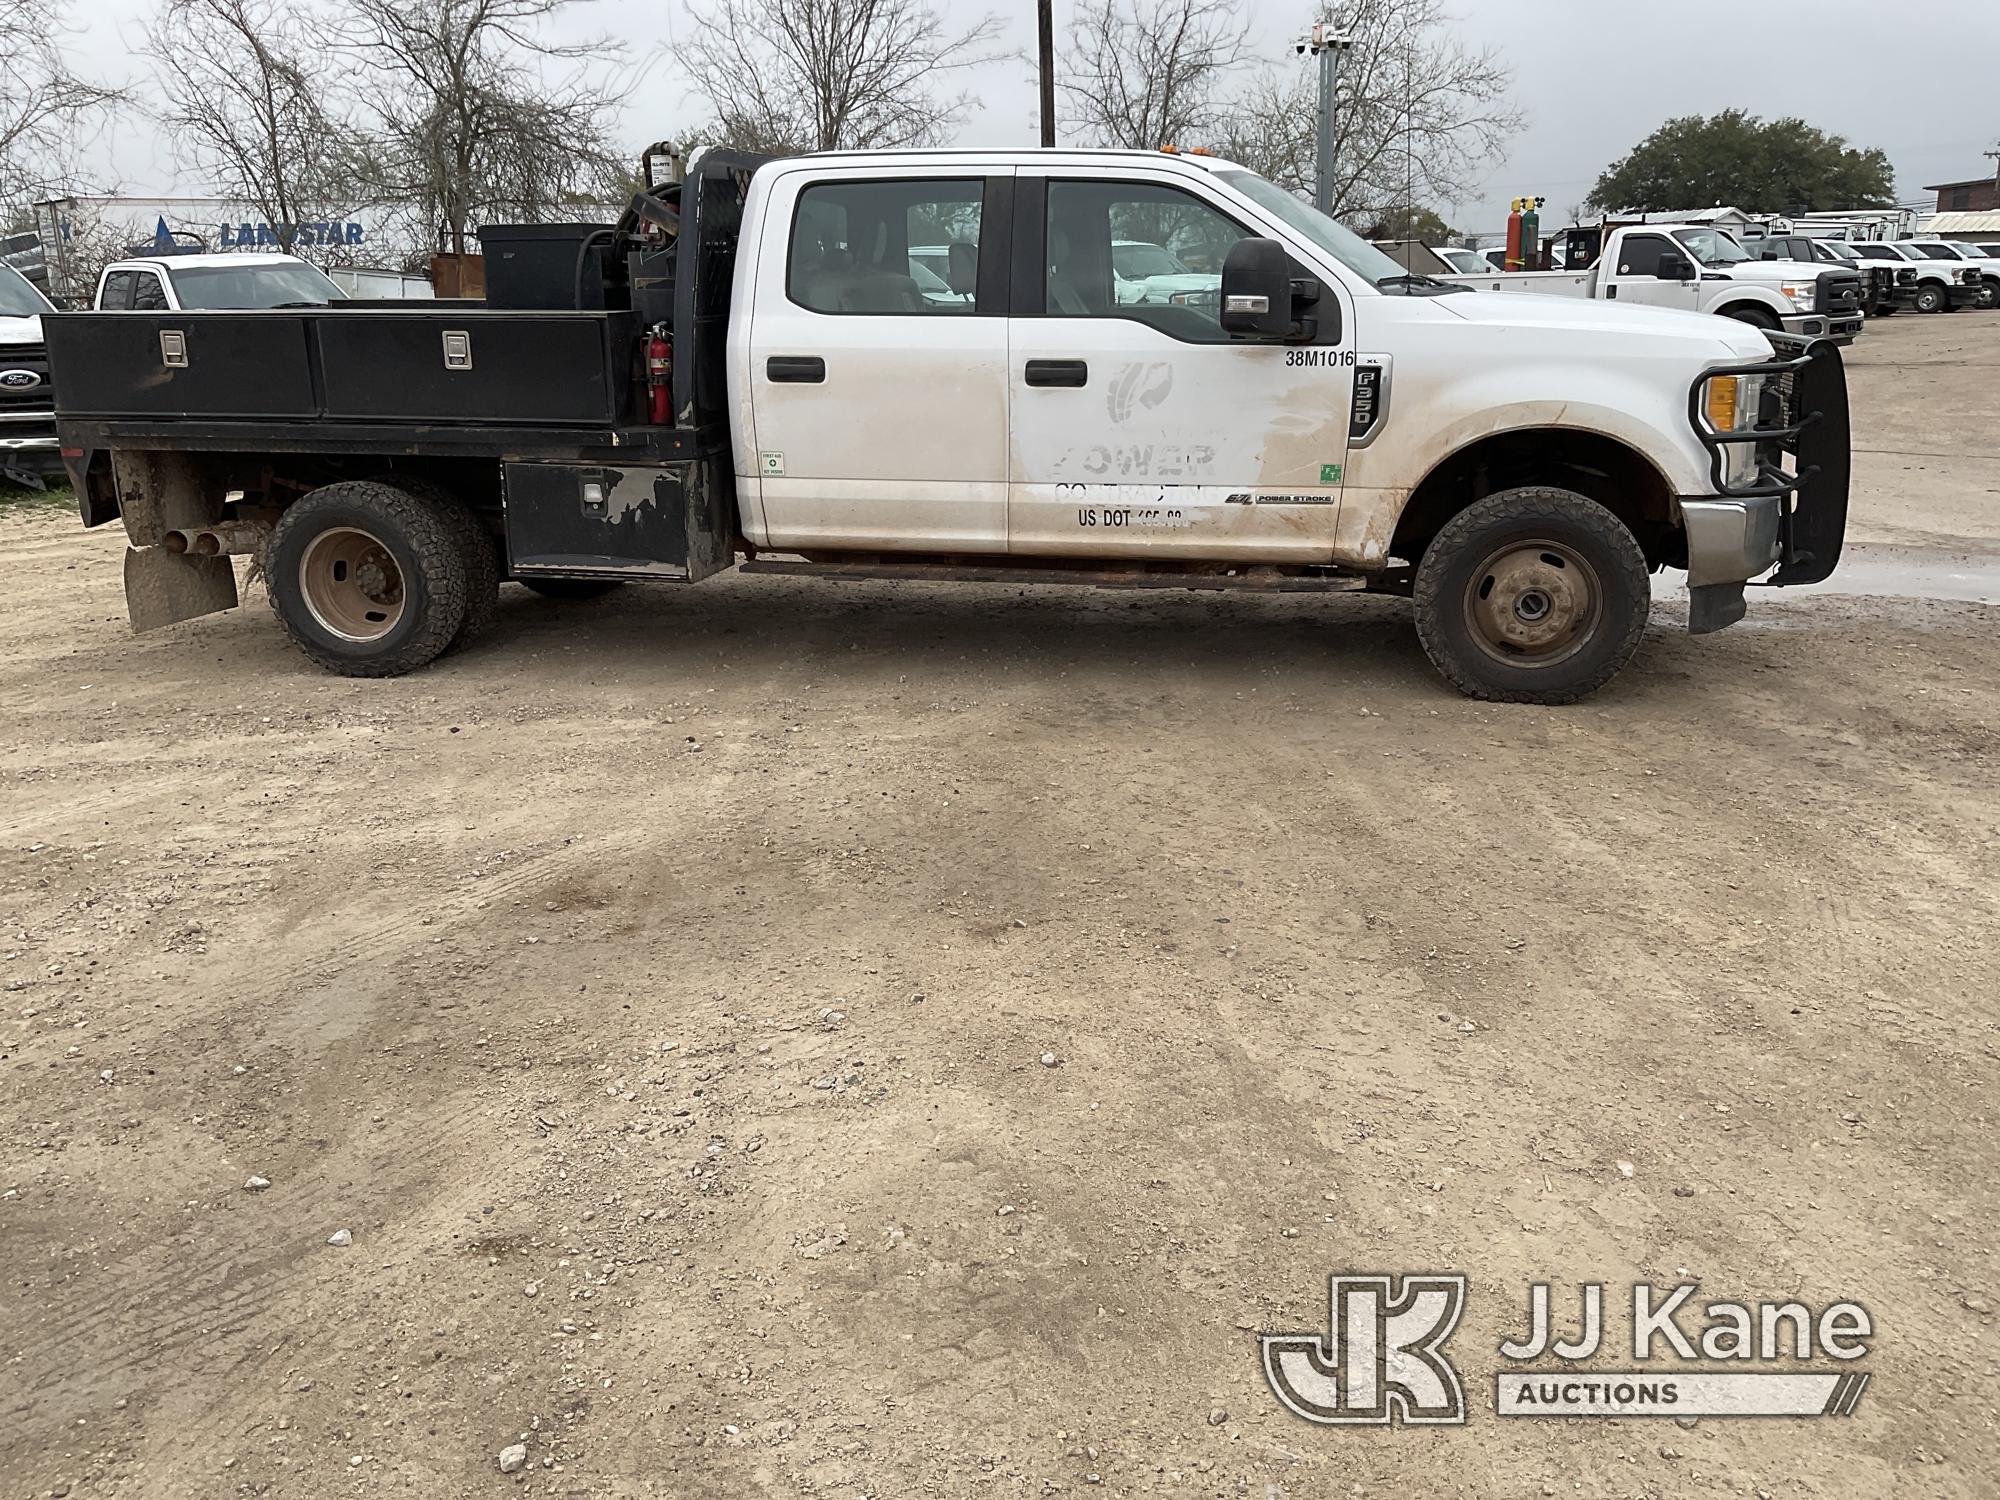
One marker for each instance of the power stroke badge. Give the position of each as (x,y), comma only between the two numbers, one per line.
(1382,1358)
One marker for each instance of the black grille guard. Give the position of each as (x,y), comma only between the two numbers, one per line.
(1811,385)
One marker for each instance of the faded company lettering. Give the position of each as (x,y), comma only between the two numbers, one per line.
(1382,1357)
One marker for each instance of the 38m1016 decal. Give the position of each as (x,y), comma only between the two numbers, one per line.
(1335,359)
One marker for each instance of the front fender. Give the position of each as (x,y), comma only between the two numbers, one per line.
(1650,421)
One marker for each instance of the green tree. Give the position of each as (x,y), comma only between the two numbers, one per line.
(1736,159)
(1404,223)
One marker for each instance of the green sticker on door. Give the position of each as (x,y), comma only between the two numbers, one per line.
(1329,473)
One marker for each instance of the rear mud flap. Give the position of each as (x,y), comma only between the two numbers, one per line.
(163,587)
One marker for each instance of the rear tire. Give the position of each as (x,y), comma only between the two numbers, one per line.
(571,588)
(1533,595)
(481,549)
(368,580)
(1931,298)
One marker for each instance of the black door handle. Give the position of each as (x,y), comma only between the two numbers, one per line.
(796,369)
(1058,372)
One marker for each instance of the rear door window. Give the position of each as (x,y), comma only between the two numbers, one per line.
(902,247)
(147,293)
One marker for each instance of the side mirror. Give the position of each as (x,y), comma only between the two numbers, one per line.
(1257,291)
(1675,268)
(1768,255)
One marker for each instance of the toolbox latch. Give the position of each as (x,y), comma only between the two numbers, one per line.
(457,349)
(173,349)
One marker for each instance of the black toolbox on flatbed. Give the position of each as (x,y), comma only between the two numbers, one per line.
(429,363)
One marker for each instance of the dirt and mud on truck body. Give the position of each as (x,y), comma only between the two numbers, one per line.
(927,365)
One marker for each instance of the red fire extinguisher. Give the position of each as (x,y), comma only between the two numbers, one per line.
(659,377)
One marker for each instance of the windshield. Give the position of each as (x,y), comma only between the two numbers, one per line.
(1836,249)
(1330,235)
(253,286)
(1135,261)
(1711,247)
(1989,249)
(1463,260)
(18,297)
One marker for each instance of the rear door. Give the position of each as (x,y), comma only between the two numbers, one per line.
(1631,273)
(1139,427)
(878,387)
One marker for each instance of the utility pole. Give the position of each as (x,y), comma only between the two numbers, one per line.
(1329,39)
(1045,17)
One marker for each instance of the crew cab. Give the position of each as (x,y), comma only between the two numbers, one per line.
(1950,251)
(27,400)
(178,283)
(1942,285)
(1696,268)
(1885,288)
(757,382)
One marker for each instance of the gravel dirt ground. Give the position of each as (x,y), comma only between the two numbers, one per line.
(658,992)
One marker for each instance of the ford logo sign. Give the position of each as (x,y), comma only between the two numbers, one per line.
(19,380)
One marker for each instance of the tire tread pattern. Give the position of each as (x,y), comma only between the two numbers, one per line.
(1480,525)
(434,539)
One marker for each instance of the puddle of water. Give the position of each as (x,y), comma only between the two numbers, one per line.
(1888,573)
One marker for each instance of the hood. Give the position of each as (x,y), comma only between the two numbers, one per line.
(20,331)
(1773,270)
(1720,336)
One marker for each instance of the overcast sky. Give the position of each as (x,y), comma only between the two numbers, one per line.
(1594,79)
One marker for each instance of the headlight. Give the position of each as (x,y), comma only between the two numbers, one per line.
(1802,293)
(1729,403)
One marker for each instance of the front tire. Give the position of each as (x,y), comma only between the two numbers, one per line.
(368,580)
(1931,298)
(1756,317)
(1533,595)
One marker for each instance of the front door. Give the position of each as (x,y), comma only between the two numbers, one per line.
(1139,428)
(1635,274)
(878,381)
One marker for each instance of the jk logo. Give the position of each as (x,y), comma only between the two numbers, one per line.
(1380,1360)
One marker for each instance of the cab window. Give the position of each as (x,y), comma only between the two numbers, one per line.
(118,291)
(1136,250)
(147,293)
(904,247)
(1639,254)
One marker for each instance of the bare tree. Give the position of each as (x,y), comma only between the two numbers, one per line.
(250,98)
(1145,76)
(480,116)
(43,103)
(1418,114)
(832,75)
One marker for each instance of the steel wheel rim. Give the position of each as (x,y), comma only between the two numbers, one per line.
(1533,603)
(351,584)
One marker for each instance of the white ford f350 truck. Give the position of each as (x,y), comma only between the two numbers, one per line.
(1695,268)
(27,400)
(743,371)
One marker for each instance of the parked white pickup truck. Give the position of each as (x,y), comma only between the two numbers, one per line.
(1952,252)
(1697,268)
(27,402)
(1942,285)
(227,279)
(770,388)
